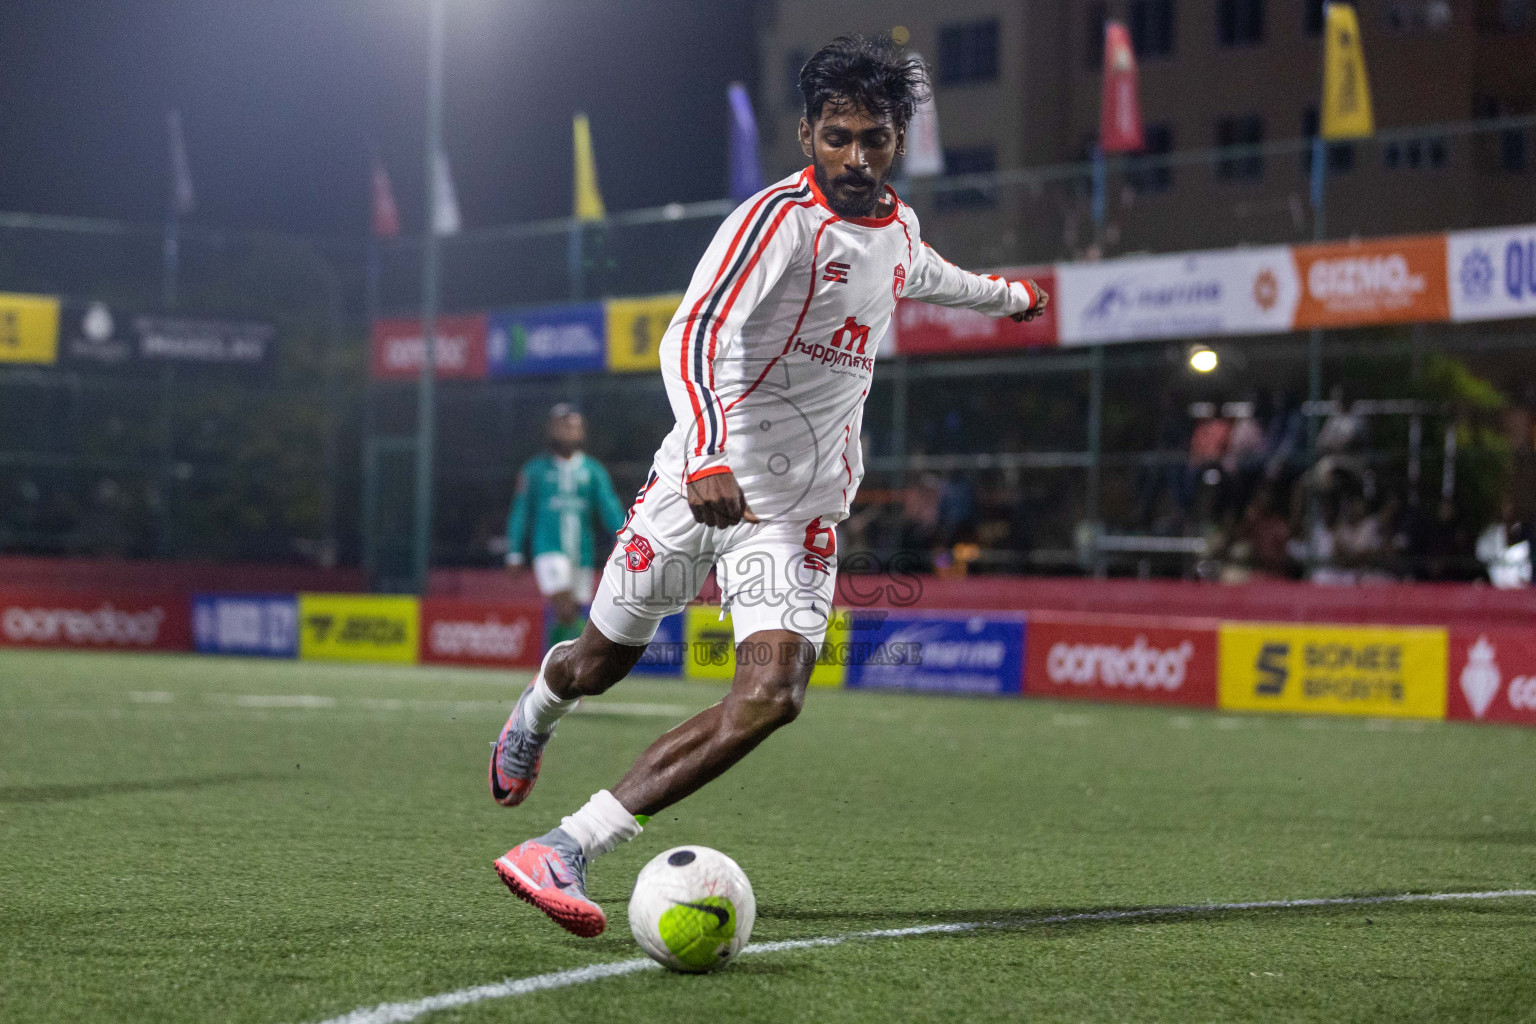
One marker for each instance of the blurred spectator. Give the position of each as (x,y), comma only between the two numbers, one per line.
(1505,548)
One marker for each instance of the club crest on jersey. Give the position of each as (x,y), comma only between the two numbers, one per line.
(899,282)
(837,272)
(638,554)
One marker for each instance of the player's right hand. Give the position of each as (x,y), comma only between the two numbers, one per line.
(716,500)
(1042,298)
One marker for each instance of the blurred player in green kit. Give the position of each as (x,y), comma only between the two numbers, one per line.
(557,495)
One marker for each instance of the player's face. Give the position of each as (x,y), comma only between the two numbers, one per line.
(852,152)
(567,434)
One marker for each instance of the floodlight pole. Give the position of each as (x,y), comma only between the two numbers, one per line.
(425,391)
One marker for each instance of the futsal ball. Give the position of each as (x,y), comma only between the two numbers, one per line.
(692,909)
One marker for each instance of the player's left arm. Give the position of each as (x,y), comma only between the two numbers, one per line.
(935,279)
(609,511)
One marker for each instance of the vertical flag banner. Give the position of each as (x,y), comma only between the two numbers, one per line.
(183,199)
(1120,129)
(386,215)
(746,170)
(445,204)
(1346,91)
(925,157)
(589,201)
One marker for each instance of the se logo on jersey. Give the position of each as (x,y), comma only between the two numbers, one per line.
(899,282)
(638,554)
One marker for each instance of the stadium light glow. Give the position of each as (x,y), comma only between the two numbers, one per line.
(1202,359)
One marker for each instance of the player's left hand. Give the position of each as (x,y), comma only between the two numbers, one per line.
(1036,309)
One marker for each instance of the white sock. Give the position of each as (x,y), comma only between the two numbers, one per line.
(543,710)
(601,824)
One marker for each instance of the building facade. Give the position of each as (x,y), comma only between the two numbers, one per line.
(1017,86)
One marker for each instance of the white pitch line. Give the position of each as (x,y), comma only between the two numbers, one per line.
(398,1013)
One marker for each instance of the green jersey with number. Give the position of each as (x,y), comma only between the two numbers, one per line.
(554,507)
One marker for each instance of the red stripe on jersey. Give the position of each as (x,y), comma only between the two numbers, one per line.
(815,252)
(712,471)
(693,397)
(741,279)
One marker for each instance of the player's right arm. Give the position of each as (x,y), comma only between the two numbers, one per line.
(748,256)
(518,520)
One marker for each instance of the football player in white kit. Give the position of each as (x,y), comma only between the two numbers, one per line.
(767,364)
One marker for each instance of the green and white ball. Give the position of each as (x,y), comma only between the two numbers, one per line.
(692,909)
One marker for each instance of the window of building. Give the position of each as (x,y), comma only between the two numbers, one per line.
(1419,15)
(1093,36)
(967,160)
(1341,155)
(1240,22)
(1504,150)
(1232,132)
(1146,175)
(1314,23)
(968,52)
(1152,27)
(1414,155)
(1499,16)
(794,60)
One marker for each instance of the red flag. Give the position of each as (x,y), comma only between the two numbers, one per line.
(1120,111)
(386,217)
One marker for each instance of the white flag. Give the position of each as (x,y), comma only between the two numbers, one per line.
(183,200)
(445,205)
(925,157)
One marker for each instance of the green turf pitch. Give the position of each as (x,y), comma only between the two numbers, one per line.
(187,839)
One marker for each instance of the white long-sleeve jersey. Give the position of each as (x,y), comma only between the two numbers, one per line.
(767,363)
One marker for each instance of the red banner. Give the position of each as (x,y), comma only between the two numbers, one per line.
(95,620)
(923,329)
(399,348)
(457,632)
(1492,675)
(1120,107)
(1120,658)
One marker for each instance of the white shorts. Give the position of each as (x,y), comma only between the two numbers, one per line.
(773,575)
(555,573)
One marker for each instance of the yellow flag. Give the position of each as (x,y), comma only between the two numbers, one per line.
(589,201)
(1346,91)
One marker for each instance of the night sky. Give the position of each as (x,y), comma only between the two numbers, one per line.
(285,101)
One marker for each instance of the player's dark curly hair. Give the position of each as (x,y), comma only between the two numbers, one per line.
(872,75)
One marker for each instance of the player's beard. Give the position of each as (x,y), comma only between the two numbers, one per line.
(855,204)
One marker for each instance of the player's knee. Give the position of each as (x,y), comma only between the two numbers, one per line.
(766,708)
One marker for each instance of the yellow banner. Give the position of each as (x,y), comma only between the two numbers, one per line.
(1346,90)
(711,650)
(358,627)
(29,328)
(635,327)
(1333,670)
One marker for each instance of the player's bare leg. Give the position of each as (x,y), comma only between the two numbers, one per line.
(763,698)
(768,692)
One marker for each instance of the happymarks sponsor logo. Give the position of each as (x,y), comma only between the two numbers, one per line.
(1166,661)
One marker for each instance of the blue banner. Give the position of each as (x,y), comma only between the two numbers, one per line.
(264,625)
(665,655)
(546,339)
(941,653)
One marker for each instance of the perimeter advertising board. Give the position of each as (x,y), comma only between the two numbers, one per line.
(546,339)
(925,329)
(1187,295)
(255,625)
(1119,658)
(457,632)
(1493,675)
(93,334)
(710,651)
(1376,281)
(665,655)
(1492,274)
(399,348)
(29,328)
(941,652)
(358,627)
(635,328)
(95,620)
(1333,670)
